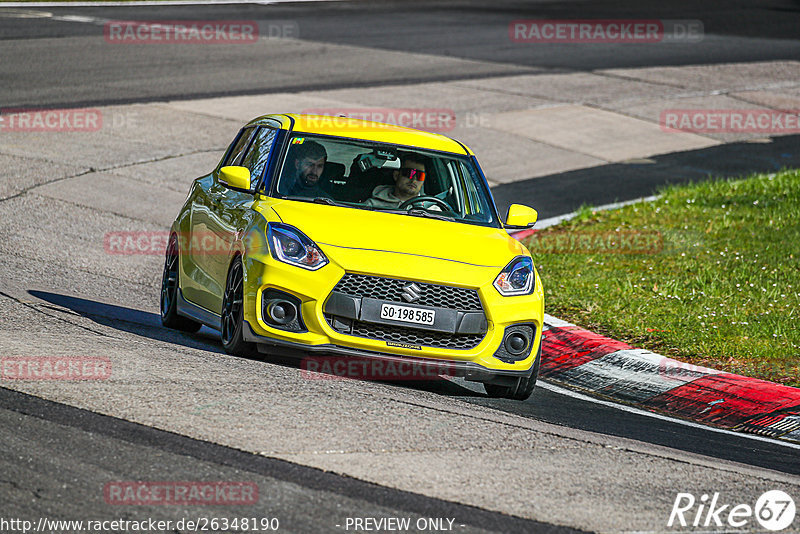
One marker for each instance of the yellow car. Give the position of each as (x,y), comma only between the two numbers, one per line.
(357,240)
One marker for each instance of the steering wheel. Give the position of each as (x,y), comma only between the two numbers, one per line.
(416,200)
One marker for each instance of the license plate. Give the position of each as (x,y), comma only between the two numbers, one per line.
(407,314)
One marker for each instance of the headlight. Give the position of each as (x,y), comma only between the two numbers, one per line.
(517,278)
(290,245)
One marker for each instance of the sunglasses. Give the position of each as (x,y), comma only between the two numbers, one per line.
(412,174)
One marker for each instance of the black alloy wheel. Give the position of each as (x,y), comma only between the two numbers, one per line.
(169,292)
(522,388)
(232,317)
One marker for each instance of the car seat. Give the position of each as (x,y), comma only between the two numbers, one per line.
(360,183)
(332,180)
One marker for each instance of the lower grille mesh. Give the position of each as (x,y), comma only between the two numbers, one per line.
(413,336)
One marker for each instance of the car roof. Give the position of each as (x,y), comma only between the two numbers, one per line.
(353,128)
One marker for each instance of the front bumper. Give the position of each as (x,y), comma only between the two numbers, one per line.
(482,360)
(465,369)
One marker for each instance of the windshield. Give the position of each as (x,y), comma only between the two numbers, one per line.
(382,177)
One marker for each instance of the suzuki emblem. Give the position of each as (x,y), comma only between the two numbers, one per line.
(411,292)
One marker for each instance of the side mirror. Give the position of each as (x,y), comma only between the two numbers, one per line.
(520,216)
(235,177)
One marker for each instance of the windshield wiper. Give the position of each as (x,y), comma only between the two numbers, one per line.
(429,214)
(315,200)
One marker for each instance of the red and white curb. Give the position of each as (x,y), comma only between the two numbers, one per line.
(582,360)
(603,367)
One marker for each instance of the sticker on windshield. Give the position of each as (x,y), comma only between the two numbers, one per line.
(298,140)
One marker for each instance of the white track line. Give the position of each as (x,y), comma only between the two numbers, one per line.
(552,221)
(625,408)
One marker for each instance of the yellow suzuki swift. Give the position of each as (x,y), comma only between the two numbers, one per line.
(355,239)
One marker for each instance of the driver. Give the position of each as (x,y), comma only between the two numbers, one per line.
(309,164)
(408,180)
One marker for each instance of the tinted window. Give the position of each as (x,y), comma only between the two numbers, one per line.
(235,156)
(258,154)
(382,177)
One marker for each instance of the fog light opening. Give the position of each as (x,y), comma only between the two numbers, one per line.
(281,312)
(516,343)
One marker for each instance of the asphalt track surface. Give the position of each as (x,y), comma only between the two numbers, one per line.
(42,67)
(38,71)
(302,498)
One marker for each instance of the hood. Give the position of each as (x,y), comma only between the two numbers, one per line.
(353,228)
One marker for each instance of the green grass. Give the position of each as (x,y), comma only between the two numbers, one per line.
(708,274)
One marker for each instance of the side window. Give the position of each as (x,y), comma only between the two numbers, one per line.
(235,156)
(477,202)
(460,204)
(258,154)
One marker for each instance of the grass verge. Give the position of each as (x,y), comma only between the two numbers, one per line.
(708,274)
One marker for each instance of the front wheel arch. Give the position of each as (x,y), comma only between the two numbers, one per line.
(522,387)
(232,313)
(170,290)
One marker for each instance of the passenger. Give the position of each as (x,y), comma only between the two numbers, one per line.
(408,180)
(308,165)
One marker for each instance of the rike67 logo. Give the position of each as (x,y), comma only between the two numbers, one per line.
(774,510)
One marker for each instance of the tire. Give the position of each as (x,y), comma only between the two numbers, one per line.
(232,316)
(522,389)
(169,292)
